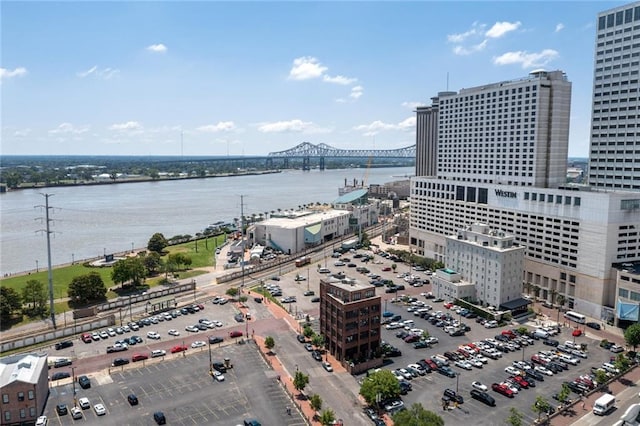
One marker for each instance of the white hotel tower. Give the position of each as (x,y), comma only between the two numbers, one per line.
(497,154)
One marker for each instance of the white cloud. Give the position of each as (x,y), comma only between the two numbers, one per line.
(16,72)
(378,126)
(501,28)
(413,105)
(21,133)
(305,68)
(526,59)
(356,92)
(476,29)
(463,51)
(559,27)
(339,79)
(129,126)
(157,48)
(69,129)
(292,126)
(222,126)
(95,71)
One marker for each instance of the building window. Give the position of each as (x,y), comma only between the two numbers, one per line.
(30,394)
(7,415)
(5,398)
(23,413)
(623,293)
(32,411)
(20,396)
(576,201)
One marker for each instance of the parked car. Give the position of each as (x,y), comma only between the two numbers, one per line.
(483,397)
(62,362)
(593,325)
(100,410)
(60,375)
(159,418)
(61,409)
(502,390)
(158,353)
(235,333)
(84,382)
(215,339)
(132,399)
(119,361)
(479,386)
(63,344)
(450,393)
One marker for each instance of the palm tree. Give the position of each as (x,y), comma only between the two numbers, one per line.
(560,301)
(553,293)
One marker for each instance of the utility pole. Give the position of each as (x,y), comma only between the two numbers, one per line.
(48,231)
(242,240)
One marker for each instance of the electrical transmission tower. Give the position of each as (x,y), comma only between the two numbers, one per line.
(48,231)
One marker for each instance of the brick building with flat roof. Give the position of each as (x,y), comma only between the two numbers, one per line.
(24,387)
(350,315)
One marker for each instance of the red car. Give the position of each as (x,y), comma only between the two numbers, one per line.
(178,348)
(200,305)
(86,337)
(386,268)
(576,333)
(235,334)
(502,389)
(431,364)
(139,357)
(521,381)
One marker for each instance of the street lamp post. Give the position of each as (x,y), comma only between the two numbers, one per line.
(457,381)
(210,361)
(73,260)
(73,376)
(523,353)
(37,267)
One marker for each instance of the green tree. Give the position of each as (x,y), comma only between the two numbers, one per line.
(632,335)
(269,343)
(157,243)
(381,384)
(540,406)
(179,259)
(10,301)
(130,269)
(35,296)
(87,288)
(564,393)
(300,381)
(515,417)
(417,416)
(307,331)
(152,262)
(622,362)
(601,376)
(316,403)
(232,291)
(317,341)
(394,267)
(327,417)
(243,298)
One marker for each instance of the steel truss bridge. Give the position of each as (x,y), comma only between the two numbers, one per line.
(307,150)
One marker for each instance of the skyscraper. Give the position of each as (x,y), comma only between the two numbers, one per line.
(500,158)
(615,133)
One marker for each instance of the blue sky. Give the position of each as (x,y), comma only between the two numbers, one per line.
(128,78)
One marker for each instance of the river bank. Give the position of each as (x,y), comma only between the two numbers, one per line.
(143,179)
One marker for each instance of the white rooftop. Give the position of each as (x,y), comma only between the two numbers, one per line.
(298,220)
(22,368)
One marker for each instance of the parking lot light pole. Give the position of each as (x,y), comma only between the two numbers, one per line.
(522,353)
(210,361)
(457,381)
(73,377)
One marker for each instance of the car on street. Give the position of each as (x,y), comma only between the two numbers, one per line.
(60,375)
(593,325)
(309,293)
(327,366)
(235,333)
(62,362)
(178,348)
(479,386)
(215,339)
(153,335)
(316,355)
(119,361)
(173,332)
(315,299)
(100,410)
(198,344)
(158,353)
(308,347)
(139,357)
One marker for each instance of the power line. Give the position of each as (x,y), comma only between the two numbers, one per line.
(48,232)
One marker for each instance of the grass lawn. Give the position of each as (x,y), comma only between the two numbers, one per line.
(62,276)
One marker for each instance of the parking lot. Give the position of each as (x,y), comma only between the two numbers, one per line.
(184,391)
(428,389)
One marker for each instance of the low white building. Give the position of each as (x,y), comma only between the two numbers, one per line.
(300,230)
(484,266)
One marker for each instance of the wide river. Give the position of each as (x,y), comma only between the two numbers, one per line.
(88,221)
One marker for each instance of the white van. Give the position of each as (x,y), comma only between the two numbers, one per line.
(541,334)
(604,404)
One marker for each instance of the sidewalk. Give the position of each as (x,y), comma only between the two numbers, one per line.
(575,415)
